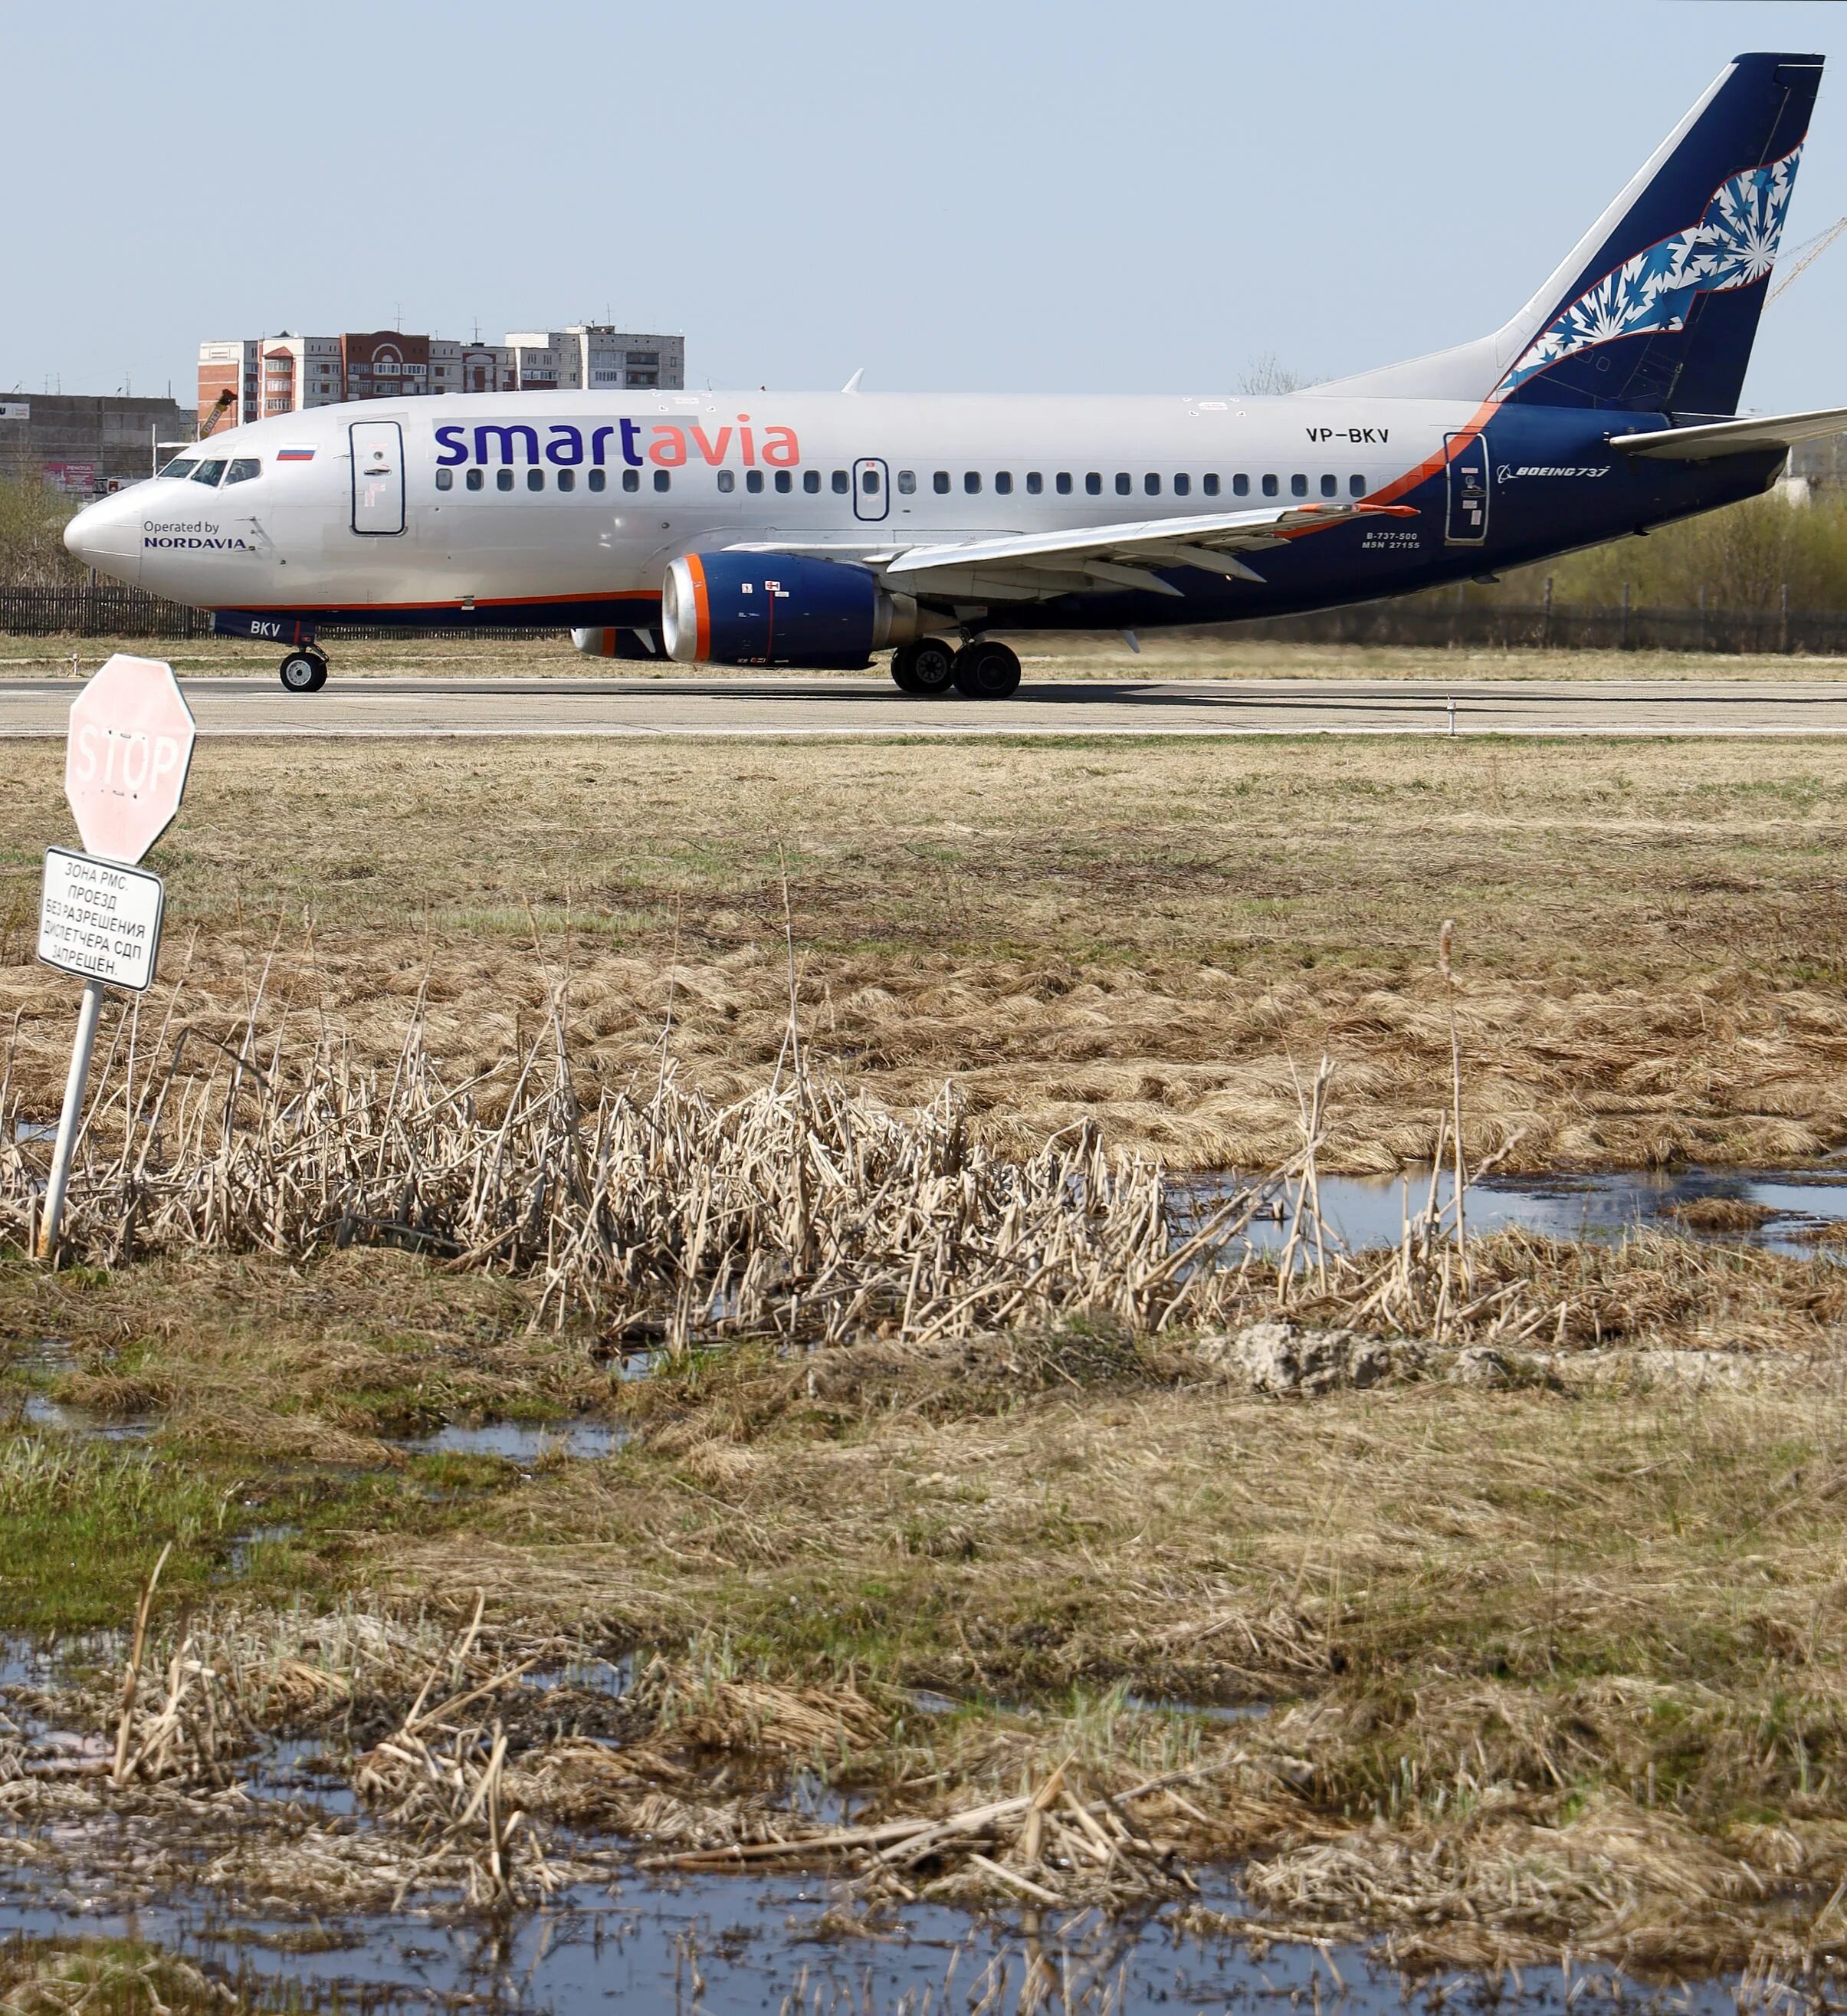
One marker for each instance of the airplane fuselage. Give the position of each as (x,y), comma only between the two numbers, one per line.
(568,508)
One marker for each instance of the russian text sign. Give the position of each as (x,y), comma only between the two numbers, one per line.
(126,759)
(100,919)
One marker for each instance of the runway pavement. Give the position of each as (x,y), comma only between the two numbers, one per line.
(792,705)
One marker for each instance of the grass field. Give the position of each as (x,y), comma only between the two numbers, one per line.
(1651,938)
(1552,1661)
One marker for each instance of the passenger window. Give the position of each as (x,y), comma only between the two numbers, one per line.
(1209,485)
(1124,484)
(811,481)
(785,482)
(1182,484)
(1271,487)
(208,472)
(1356,486)
(1035,483)
(753,481)
(1004,482)
(840,484)
(869,481)
(1093,485)
(1298,486)
(1152,485)
(939,483)
(598,479)
(179,469)
(535,479)
(1241,486)
(476,477)
(907,482)
(631,480)
(664,479)
(503,479)
(567,479)
(972,481)
(249,466)
(1061,482)
(727,480)
(445,479)
(1330,486)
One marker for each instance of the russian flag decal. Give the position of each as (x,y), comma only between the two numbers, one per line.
(295,455)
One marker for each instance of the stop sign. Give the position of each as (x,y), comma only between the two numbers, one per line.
(125,763)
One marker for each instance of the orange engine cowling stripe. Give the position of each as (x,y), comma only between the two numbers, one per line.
(702,608)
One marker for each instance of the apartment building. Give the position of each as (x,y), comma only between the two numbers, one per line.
(253,378)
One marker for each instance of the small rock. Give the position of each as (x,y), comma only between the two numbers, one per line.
(1277,1358)
(1482,1365)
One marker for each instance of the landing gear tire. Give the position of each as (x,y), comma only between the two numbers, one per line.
(987,671)
(902,677)
(303,671)
(929,668)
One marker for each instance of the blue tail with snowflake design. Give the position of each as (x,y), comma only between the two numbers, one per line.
(1656,310)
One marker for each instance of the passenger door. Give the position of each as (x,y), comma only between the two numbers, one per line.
(1466,522)
(871,489)
(378,477)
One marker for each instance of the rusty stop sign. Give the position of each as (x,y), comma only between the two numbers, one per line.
(125,763)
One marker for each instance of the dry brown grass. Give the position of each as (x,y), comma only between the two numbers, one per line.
(1651,938)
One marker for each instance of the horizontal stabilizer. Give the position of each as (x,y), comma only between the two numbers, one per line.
(1732,437)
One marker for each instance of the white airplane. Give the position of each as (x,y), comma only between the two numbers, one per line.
(811,530)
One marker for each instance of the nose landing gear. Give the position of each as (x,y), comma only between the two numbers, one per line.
(303,671)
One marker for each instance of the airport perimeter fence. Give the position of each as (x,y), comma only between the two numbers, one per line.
(1424,621)
(131,612)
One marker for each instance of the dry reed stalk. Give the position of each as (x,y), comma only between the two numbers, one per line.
(130,1677)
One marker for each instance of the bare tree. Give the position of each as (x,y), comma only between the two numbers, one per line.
(1265,376)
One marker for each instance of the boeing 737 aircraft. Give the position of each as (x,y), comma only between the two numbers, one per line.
(804,530)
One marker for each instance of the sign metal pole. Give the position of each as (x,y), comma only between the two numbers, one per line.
(88,1016)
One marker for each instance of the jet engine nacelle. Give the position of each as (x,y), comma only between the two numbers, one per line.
(779,608)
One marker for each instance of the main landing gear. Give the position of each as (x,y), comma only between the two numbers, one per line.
(984,670)
(303,671)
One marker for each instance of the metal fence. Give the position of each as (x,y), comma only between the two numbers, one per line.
(1426,620)
(1518,626)
(132,612)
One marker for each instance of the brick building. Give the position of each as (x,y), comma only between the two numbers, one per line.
(255,377)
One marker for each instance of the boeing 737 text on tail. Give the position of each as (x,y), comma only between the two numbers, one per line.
(806,530)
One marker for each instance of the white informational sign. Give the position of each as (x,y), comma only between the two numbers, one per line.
(15,409)
(99,919)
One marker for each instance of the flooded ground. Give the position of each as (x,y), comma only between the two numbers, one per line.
(1786,1210)
(733,1947)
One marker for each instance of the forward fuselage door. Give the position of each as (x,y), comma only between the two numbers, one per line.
(1466,520)
(871,489)
(378,476)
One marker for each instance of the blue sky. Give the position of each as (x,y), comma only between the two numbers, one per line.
(1002,196)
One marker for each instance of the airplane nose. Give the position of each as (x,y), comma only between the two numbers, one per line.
(105,536)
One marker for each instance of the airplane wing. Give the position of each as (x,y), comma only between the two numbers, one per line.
(1732,437)
(1099,559)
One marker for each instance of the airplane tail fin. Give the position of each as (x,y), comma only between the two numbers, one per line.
(1655,308)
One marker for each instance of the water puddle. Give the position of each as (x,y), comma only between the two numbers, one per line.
(1786,1210)
(1199,1711)
(63,1419)
(522,1442)
(737,1947)
(243,1547)
(611,1678)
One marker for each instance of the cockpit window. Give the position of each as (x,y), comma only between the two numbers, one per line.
(243,469)
(208,472)
(179,467)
